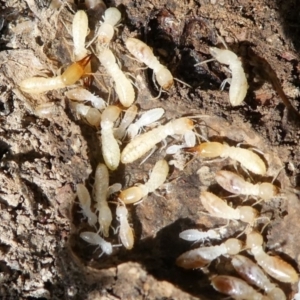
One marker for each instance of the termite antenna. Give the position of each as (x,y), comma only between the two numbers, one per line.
(184,83)
(204,62)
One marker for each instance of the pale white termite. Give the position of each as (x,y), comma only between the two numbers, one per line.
(143,53)
(125,231)
(85,204)
(81,94)
(90,114)
(253,274)
(200,257)
(37,85)
(156,179)
(46,110)
(272,265)
(147,118)
(236,288)
(239,85)
(141,144)
(128,118)
(195,235)
(247,158)
(235,184)
(111,18)
(123,86)
(94,239)
(220,209)
(79,32)
(110,146)
(100,190)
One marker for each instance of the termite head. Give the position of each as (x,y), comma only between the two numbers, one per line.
(234,246)
(268,190)
(164,78)
(254,239)
(207,150)
(106,34)
(112,16)
(225,57)
(248,214)
(182,125)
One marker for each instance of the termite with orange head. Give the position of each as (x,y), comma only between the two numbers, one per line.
(144,54)
(220,209)
(235,184)
(156,179)
(272,265)
(141,144)
(37,85)
(200,257)
(247,158)
(236,288)
(110,146)
(123,86)
(253,274)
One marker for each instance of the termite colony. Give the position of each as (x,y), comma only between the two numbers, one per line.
(116,130)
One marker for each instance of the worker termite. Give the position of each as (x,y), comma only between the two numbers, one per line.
(37,85)
(252,273)
(200,257)
(46,110)
(237,185)
(100,196)
(143,143)
(90,114)
(272,265)
(143,53)
(146,119)
(156,179)
(218,208)
(123,85)
(85,204)
(238,83)
(195,235)
(129,116)
(110,146)
(236,288)
(248,159)
(125,231)
(94,239)
(80,94)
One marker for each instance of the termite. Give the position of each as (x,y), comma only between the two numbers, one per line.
(110,146)
(143,143)
(123,85)
(143,53)
(81,94)
(79,32)
(125,231)
(85,204)
(90,114)
(37,85)
(200,257)
(272,265)
(146,119)
(156,179)
(248,159)
(238,83)
(100,196)
(253,274)
(94,239)
(195,235)
(218,208)
(237,185)
(46,110)
(128,118)
(236,288)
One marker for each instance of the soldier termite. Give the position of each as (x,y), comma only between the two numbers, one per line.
(248,159)
(143,53)
(218,208)
(237,185)
(156,179)
(273,265)
(252,273)
(37,85)
(200,257)
(85,204)
(148,117)
(100,196)
(141,144)
(110,146)
(123,85)
(236,288)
